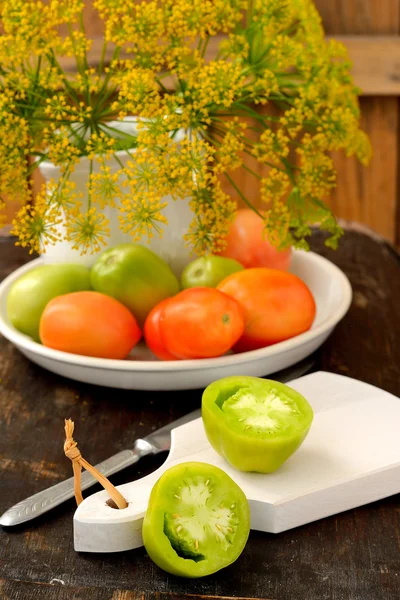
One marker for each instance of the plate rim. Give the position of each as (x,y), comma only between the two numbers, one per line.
(23,341)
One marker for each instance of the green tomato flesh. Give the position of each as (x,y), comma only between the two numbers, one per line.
(256,424)
(30,294)
(208,271)
(135,276)
(197,521)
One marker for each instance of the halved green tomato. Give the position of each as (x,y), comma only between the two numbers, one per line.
(256,424)
(197,521)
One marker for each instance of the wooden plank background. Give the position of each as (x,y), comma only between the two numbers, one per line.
(370,195)
(370,29)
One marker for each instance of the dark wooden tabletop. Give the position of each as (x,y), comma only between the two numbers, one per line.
(351,556)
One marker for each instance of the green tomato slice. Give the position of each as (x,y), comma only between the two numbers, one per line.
(197,521)
(256,424)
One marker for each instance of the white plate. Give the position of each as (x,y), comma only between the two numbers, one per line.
(332,293)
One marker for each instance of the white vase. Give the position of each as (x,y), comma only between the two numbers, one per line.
(171,246)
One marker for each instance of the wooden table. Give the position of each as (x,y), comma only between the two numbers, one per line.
(351,556)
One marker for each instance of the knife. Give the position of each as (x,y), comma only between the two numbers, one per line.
(154,443)
(32,507)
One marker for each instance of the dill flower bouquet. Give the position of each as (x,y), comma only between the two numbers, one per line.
(275,92)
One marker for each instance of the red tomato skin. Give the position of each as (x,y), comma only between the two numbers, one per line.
(246,243)
(152,332)
(277,306)
(201,323)
(89,323)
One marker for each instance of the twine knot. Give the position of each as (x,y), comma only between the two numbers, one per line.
(72,452)
(71,449)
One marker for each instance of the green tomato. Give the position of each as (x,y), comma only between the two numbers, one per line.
(30,294)
(135,276)
(256,424)
(208,271)
(197,521)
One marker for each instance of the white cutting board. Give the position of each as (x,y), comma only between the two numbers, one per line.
(350,457)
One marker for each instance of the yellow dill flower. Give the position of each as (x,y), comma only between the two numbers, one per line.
(263,87)
(139,93)
(274,186)
(184,166)
(229,152)
(216,83)
(141,215)
(284,52)
(109,7)
(36,227)
(57,107)
(88,81)
(277,224)
(142,171)
(65,11)
(100,145)
(88,231)
(32,25)
(273,16)
(76,44)
(62,151)
(49,77)
(214,211)
(317,175)
(105,187)
(191,18)
(272,147)
(235,46)
(360,145)
(136,24)
(61,195)
(81,113)
(16,84)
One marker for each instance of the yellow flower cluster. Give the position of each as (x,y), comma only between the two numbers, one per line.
(141,214)
(214,211)
(138,94)
(36,226)
(87,231)
(188,122)
(63,152)
(105,187)
(273,146)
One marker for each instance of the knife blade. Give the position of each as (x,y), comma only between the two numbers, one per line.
(154,443)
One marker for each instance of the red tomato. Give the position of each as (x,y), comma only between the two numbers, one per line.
(247,243)
(152,332)
(89,323)
(277,306)
(201,323)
